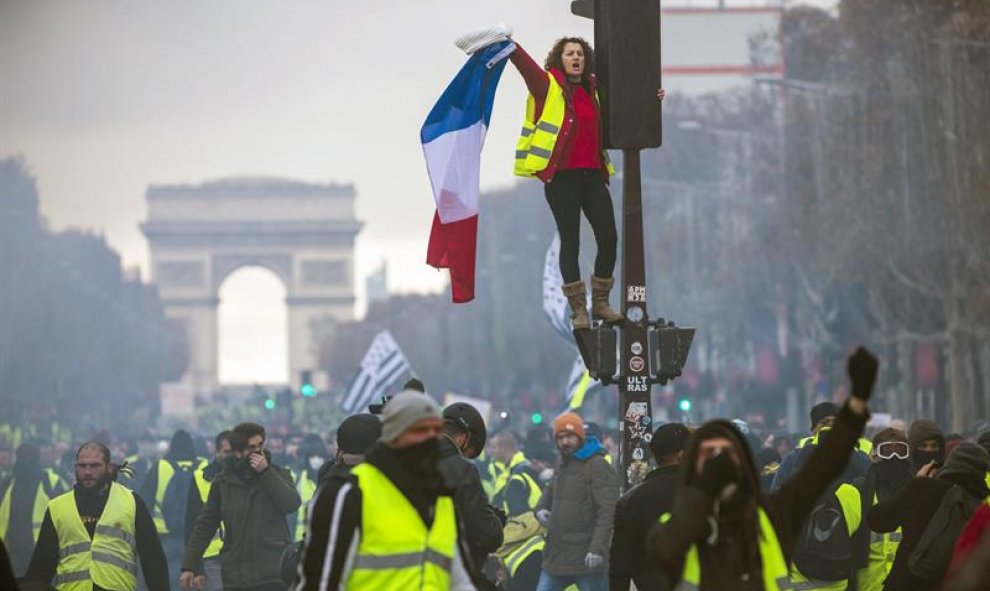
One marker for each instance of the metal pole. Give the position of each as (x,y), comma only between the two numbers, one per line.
(635,406)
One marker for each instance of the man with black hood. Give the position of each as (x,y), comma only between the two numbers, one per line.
(165,491)
(916,506)
(927,444)
(23,501)
(641,507)
(390,523)
(250,498)
(890,471)
(355,436)
(723,534)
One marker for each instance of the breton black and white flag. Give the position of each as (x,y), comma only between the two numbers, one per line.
(382,365)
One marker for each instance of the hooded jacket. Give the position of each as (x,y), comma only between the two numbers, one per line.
(734,562)
(635,512)
(912,510)
(581,498)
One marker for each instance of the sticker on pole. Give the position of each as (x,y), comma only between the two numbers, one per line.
(636,293)
(636,364)
(636,348)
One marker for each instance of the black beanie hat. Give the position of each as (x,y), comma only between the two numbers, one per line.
(822,411)
(668,439)
(967,458)
(358,433)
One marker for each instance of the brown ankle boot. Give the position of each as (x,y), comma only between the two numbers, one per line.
(577,296)
(600,310)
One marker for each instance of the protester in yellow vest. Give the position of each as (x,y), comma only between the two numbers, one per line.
(723,534)
(561,145)
(519,478)
(890,471)
(23,501)
(312,455)
(390,524)
(93,536)
(203,479)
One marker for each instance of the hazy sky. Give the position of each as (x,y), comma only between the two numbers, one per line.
(104,97)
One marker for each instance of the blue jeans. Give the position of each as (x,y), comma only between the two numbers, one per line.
(588,582)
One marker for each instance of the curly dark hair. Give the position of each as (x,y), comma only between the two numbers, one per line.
(555,57)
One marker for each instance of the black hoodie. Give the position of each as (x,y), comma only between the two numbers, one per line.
(734,562)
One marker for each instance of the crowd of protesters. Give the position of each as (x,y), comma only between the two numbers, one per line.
(423,497)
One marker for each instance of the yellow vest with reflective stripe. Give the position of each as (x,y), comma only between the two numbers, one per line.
(862,444)
(203,485)
(306,488)
(110,558)
(538,137)
(883,549)
(517,556)
(535,492)
(775,575)
(852,512)
(165,473)
(37,512)
(396,551)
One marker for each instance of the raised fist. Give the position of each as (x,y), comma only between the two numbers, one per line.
(862,367)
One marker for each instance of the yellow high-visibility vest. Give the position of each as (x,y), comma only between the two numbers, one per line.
(538,137)
(775,575)
(862,444)
(397,551)
(516,557)
(203,485)
(37,512)
(109,559)
(306,488)
(535,492)
(165,474)
(852,512)
(883,549)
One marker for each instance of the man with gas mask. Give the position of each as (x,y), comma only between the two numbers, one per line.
(723,534)
(464,435)
(250,498)
(93,536)
(390,523)
(890,471)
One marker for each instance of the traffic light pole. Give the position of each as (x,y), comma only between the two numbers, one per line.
(635,405)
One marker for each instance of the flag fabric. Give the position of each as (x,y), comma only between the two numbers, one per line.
(381,367)
(555,305)
(452,137)
(579,385)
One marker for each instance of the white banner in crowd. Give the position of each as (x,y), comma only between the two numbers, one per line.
(381,367)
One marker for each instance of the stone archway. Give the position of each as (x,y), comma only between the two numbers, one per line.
(302,232)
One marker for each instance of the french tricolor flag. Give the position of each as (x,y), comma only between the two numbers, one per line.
(452,136)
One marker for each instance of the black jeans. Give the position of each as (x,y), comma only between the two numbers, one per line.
(570,192)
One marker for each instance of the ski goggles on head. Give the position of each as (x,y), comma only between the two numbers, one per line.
(892,449)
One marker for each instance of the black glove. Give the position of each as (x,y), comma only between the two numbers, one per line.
(718,473)
(862,368)
(500,513)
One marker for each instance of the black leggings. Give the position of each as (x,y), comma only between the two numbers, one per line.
(569,192)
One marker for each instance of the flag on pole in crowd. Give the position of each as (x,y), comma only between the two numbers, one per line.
(579,385)
(452,137)
(555,305)
(382,365)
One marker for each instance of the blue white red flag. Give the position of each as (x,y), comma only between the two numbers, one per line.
(452,136)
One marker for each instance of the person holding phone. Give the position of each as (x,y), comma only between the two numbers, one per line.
(251,498)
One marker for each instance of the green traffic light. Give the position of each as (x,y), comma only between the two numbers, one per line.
(308,390)
(537,418)
(270,404)
(684,405)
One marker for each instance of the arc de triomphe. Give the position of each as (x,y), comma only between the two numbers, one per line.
(304,233)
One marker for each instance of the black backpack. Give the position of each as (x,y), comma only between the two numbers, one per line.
(824,548)
(931,555)
(176,498)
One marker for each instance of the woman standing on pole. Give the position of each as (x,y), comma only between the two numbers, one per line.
(561,144)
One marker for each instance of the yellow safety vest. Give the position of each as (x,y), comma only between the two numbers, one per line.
(864,445)
(775,575)
(517,556)
(165,474)
(203,485)
(535,492)
(397,551)
(37,513)
(538,137)
(306,488)
(883,549)
(109,559)
(852,511)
